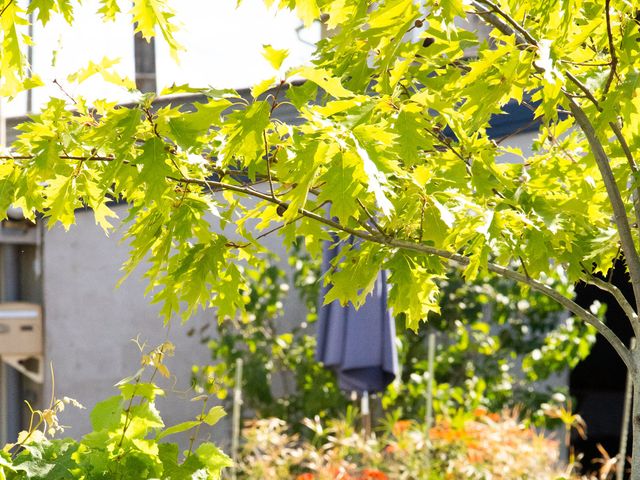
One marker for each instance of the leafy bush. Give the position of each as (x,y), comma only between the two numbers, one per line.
(486,330)
(496,341)
(475,446)
(125,442)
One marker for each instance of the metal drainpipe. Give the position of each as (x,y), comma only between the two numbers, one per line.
(145,63)
(11,379)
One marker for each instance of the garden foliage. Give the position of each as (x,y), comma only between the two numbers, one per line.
(126,441)
(474,446)
(495,344)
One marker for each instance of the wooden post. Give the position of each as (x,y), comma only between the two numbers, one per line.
(366,414)
(237,405)
(431,351)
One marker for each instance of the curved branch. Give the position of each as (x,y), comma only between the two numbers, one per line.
(458,259)
(619,210)
(514,24)
(620,298)
(612,48)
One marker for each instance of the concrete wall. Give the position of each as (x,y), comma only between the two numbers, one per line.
(89,324)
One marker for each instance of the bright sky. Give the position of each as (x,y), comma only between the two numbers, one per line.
(223,48)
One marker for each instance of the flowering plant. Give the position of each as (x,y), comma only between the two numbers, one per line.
(478,445)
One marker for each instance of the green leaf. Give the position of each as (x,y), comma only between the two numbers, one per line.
(259,88)
(148,391)
(324,80)
(142,419)
(189,128)
(104,68)
(308,11)
(213,415)
(154,160)
(149,14)
(109,9)
(179,428)
(274,56)
(244,129)
(413,289)
(340,188)
(213,459)
(62,201)
(107,414)
(43,8)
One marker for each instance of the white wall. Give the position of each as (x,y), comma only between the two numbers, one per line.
(89,324)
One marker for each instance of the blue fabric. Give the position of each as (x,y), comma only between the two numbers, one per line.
(359,345)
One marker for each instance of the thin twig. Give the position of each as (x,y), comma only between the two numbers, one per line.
(373,220)
(89,158)
(274,102)
(73,100)
(266,156)
(614,291)
(514,24)
(612,49)
(8,4)
(193,438)
(421,235)
(585,64)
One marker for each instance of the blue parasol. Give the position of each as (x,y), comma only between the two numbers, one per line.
(359,345)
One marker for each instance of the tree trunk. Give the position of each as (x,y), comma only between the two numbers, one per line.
(635,423)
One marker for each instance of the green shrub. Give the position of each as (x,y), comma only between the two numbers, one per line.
(126,441)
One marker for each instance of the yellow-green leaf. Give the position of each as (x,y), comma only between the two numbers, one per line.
(274,56)
(324,80)
(262,87)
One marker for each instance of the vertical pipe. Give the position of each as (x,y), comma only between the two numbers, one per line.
(237,404)
(145,63)
(11,379)
(30,62)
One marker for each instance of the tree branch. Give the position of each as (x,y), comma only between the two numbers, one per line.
(619,210)
(459,260)
(591,279)
(95,158)
(514,24)
(4,8)
(602,160)
(612,49)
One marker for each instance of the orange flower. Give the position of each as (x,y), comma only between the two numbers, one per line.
(400,426)
(475,457)
(391,448)
(339,473)
(305,476)
(372,474)
(480,412)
